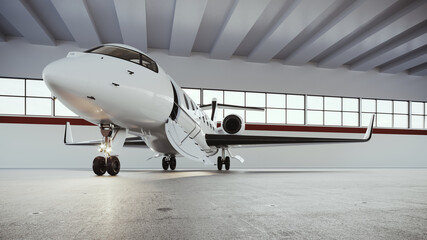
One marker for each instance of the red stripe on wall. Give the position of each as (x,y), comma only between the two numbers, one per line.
(44,120)
(253,127)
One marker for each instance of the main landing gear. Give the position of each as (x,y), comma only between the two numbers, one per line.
(169,161)
(222,160)
(106,163)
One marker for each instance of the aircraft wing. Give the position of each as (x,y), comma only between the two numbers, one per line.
(221,140)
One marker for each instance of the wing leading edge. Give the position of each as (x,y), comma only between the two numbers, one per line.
(242,140)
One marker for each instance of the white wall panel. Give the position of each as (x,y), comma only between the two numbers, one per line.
(45,149)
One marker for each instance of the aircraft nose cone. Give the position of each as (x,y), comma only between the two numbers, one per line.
(54,74)
(60,77)
(51,75)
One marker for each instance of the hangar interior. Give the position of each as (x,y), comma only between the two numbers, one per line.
(319,68)
(329,63)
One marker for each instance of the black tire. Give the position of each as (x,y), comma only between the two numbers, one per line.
(165,164)
(172,163)
(99,166)
(219,163)
(227,163)
(113,165)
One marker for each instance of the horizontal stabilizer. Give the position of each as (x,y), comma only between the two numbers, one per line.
(129,142)
(233,107)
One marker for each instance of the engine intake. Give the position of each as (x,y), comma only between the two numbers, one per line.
(232,124)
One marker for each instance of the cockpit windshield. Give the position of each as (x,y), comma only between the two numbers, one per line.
(126,54)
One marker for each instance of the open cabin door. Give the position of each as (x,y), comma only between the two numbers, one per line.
(181,133)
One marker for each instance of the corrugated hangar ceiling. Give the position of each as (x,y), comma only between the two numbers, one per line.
(388,35)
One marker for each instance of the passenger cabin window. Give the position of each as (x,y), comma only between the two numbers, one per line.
(126,54)
(192,106)
(186,102)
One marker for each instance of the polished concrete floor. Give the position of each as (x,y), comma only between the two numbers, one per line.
(239,204)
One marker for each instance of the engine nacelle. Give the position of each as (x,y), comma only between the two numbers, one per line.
(233,124)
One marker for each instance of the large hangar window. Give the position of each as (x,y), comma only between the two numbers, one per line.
(295,105)
(12,92)
(255,100)
(295,109)
(20,97)
(276,104)
(417,114)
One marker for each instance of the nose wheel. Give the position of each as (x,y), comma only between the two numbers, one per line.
(100,166)
(169,162)
(113,165)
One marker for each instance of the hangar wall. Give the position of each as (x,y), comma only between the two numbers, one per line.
(40,146)
(19,59)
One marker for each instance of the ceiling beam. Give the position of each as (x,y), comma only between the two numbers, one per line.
(330,17)
(406,61)
(420,70)
(133,22)
(352,22)
(76,17)
(390,51)
(384,31)
(2,37)
(240,21)
(186,25)
(21,16)
(302,14)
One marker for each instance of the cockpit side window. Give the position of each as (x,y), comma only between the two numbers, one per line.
(149,63)
(126,54)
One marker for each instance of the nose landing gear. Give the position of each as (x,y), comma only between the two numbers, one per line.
(106,163)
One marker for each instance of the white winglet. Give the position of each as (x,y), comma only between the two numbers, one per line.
(68,138)
(369,131)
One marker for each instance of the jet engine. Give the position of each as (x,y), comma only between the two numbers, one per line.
(233,124)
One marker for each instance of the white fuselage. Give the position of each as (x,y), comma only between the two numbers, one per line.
(104,89)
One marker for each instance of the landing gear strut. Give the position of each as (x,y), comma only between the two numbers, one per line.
(222,160)
(169,161)
(106,163)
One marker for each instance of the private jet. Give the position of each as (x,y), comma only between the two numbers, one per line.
(135,103)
